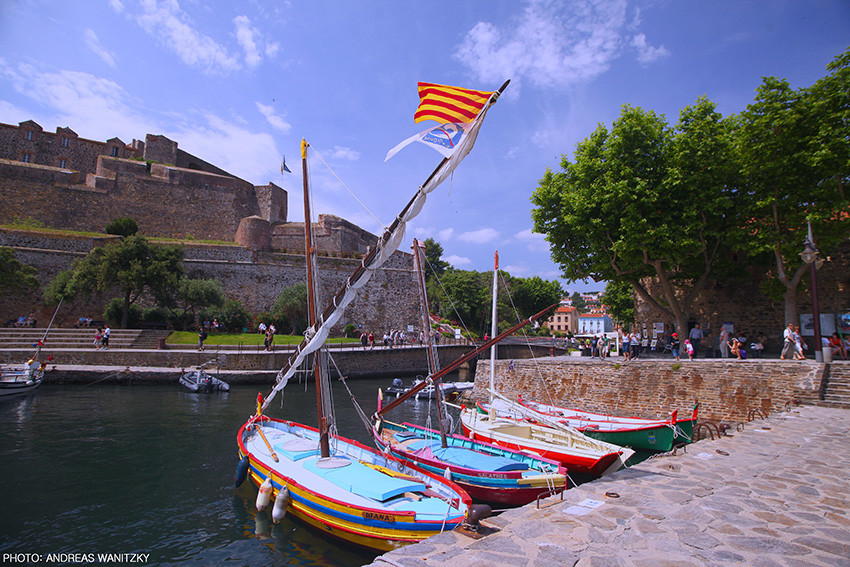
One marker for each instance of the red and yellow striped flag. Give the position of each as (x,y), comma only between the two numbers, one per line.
(449,104)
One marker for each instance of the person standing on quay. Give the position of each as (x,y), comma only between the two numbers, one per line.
(674,345)
(696,336)
(789,345)
(724,341)
(202,336)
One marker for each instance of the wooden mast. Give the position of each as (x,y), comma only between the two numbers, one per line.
(433,363)
(312,311)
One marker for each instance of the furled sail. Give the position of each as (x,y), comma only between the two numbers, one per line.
(389,242)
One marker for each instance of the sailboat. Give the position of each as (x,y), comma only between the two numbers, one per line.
(634,432)
(342,487)
(489,474)
(545,437)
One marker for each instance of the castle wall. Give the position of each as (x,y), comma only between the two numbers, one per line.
(332,234)
(164,201)
(389,300)
(46,148)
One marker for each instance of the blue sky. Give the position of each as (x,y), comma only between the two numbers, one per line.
(240,83)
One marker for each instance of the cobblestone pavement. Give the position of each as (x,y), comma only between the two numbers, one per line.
(775,494)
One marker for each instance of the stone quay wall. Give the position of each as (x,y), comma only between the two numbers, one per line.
(389,301)
(727,390)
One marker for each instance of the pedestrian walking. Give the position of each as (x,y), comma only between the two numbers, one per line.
(695,336)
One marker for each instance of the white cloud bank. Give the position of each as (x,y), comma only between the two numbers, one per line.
(554,43)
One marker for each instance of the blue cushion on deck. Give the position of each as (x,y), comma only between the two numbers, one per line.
(478,461)
(365,481)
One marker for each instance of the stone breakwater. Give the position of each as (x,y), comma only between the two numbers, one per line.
(775,494)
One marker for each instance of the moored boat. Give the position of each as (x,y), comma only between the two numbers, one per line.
(339,486)
(576,451)
(22,380)
(198,381)
(489,474)
(633,432)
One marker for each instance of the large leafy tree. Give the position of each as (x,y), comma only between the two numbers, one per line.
(643,200)
(290,309)
(194,295)
(796,161)
(133,266)
(14,276)
(526,297)
(434,264)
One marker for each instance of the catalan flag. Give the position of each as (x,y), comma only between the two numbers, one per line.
(446,104)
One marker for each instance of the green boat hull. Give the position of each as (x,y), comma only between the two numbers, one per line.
(653,439)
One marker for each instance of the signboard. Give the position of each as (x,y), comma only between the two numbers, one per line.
(843,323)
(807,324)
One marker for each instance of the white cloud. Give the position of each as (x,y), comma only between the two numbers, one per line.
(93,43)
(345,154)
(242,152)
(170,25)
(646,53)
(457,261)
(245,37)
(553,43)
(100,109)
(481,236)
(277,122)
(536,242)
(116,6)
(445,234)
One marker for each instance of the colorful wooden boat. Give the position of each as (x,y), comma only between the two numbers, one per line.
(576,451)
(337,485)
(357,495)
(634,432)
(489,474)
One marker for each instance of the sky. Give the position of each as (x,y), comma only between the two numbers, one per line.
(239,84)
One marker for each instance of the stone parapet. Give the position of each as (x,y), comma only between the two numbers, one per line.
(727,390)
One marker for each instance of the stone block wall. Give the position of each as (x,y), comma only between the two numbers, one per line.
(727,390)
(389,301)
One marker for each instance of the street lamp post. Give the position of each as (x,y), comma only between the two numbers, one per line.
(810,257)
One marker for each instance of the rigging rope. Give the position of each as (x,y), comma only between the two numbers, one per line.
(350,192)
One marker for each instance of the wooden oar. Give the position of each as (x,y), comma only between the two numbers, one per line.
(266,441)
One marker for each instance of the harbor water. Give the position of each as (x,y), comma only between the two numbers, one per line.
(148,470)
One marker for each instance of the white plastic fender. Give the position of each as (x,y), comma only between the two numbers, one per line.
(447,473)
(264,495)
(280,502)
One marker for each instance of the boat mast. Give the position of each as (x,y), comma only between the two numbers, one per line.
(494,328)
(312,311)
(433,363)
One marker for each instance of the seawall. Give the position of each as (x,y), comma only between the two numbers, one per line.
(727,389)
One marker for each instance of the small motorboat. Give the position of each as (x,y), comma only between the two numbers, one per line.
(21,381)
(448,389)
(199,381)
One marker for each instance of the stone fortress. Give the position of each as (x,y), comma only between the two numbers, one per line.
(63,181)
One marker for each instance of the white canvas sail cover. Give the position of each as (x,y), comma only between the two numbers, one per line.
(387,245)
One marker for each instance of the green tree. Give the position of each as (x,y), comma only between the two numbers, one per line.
(14,276)
(529,296)
(463,296)
(122,226)
(620,301)
(643,200)
(290,309)
(232,315)
(133,266)
(795,157)
(578,301)
(434,264)
(194,295)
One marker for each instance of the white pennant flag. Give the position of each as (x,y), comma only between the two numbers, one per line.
(444,138)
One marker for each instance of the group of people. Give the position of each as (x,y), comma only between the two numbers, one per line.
(792,343)
(268,330)
(392,338)
(25,321)
(101,337)
(632,345)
